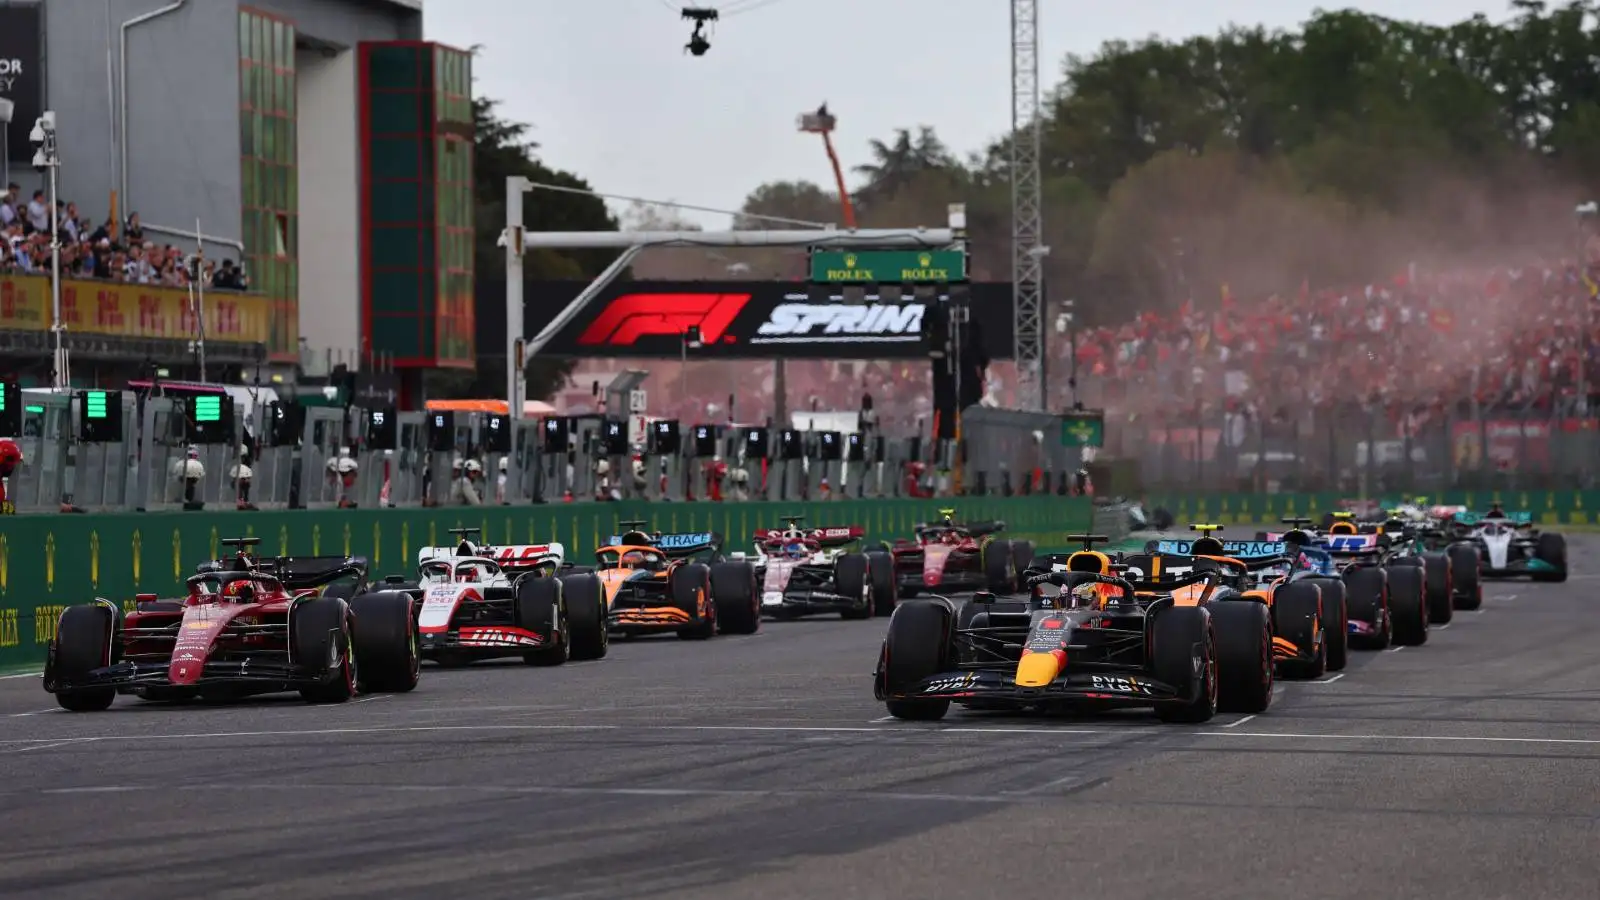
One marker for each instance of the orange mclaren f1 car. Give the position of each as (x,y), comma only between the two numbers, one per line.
(680,583)
(1306,607)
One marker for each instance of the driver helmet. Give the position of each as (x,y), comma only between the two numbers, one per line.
(794,547)
(1495,512)
(633,558)
(467,573)
(240,589)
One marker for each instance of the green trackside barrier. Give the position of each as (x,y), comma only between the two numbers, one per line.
(51,561)
(1551,508)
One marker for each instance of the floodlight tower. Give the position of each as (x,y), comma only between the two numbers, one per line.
(1027,229)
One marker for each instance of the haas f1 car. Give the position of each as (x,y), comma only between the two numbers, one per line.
(1085,638)
(475,602)
(678,583)
(947,556)
(245,627)
(821,570)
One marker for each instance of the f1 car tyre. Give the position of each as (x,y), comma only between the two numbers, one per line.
(1179,634)
(738,603)
(1021,559)
(320,631)
(917,647)
(1466,579)
(1366,599)
(852,579)
(83,643)
(1297,610)
(689,588)
(1551,549)
(385,641)
(345,590)
(1408,608)
(1335,622)
(997,570)
(586,615)
(1436,585)
(542,609)
(1243,630)
(885,587)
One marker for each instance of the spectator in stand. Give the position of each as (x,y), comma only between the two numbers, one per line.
(39,213)
(133,232)
(8,205)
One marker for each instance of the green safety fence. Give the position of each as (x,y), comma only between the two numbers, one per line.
(51,561)
(1551,508)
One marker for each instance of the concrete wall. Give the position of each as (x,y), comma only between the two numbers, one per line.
(330,214)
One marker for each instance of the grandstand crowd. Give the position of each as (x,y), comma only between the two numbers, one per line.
(1415,346)
(104,251)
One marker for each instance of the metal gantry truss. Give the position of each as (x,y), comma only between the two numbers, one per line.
(1027,250)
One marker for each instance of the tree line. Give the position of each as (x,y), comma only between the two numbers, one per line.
(1336,153)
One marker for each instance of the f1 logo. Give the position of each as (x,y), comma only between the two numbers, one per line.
(632,316)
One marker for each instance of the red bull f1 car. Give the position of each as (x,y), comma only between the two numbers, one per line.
(821,570)
(245,627)
(946,557)
(1085,638)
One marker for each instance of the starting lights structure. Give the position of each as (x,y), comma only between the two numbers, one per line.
(923,252)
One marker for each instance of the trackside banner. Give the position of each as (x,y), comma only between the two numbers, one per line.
(750,319)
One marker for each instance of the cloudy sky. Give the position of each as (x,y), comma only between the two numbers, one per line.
(613,97)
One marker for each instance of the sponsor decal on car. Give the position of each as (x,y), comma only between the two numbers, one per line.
(951,683)
(1118,684)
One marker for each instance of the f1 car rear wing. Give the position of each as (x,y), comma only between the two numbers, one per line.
(1353,544)
(1240,550)
(1519,519)
(672,545)
(515,558)
(300,572)
(825,537)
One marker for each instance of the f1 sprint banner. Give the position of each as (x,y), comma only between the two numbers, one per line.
(750,320)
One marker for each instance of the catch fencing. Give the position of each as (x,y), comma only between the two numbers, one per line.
(328,463)
(1355,449)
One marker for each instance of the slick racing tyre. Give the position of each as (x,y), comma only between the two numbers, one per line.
(885,587)
(852,579)
(1466,579)
(1335,622)
(997,570)
(1408,608)
(689,589)
(586,615)
(918,646)
(1179,636)
(541,608)
(84,638)
(320,632)
(738,603)
(385,640)
(1245,669)
(1298,618)
(1551,549)
(1366,597)
(1437,587)
(1021,559)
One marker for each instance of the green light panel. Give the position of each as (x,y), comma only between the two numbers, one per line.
(94,404)
(208,409)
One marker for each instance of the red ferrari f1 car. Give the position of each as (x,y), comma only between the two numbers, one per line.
(947,556)
(245,627)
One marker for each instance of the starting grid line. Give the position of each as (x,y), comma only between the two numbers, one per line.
(17,745)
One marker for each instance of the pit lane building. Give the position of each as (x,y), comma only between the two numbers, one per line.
(323,142)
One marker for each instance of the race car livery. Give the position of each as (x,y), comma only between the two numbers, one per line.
(544,559)
(468,608)
(1509,545)
(947,556)
(821,570)
(679,583)
(1083,638)
(245,627)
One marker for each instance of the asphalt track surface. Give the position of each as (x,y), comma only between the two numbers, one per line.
(761,767)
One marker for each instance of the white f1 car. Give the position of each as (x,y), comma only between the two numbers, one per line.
(544,559)
(480,602)
(821,570)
